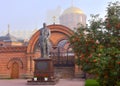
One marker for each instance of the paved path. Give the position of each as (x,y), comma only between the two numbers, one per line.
(23,82)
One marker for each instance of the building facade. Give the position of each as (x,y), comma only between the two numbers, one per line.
(17,61)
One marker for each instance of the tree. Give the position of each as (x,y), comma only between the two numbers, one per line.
(98,46)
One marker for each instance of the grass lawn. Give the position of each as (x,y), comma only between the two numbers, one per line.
(91,82)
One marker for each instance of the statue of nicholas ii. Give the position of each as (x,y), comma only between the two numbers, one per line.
(44,41)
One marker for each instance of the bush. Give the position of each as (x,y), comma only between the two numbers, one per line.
(91,82)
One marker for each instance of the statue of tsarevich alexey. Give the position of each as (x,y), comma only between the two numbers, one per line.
(44,41)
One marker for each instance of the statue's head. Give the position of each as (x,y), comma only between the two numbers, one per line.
(44,25)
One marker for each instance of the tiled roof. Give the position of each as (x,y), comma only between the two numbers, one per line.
(9,38)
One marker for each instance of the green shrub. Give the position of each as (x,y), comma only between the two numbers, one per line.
(91,82)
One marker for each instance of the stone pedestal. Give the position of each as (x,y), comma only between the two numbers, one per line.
(44,72)
(43,69)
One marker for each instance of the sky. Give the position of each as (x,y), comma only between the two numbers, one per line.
(28,15)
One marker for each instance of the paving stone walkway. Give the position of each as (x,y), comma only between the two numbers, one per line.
(23,82)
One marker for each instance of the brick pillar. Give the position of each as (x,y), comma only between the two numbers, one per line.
(29,72)
(78,71)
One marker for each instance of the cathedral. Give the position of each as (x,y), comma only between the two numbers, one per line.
(17,56)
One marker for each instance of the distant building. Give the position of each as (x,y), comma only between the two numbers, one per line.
(9,40)
(73,17)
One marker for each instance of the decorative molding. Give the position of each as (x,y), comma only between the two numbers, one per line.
(13,49)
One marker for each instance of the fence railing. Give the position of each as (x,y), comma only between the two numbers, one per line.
(62,59)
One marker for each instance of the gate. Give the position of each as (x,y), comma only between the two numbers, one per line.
(64,63)
(62,58)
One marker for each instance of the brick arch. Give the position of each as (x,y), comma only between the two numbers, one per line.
(61,40)
(17,60)
(56,30)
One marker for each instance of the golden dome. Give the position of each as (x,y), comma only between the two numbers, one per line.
(73,10)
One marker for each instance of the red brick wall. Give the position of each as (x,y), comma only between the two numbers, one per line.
(6,60)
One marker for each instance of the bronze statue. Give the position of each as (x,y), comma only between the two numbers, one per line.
(44,41)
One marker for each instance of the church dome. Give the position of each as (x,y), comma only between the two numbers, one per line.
(73,10)
(73,17)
